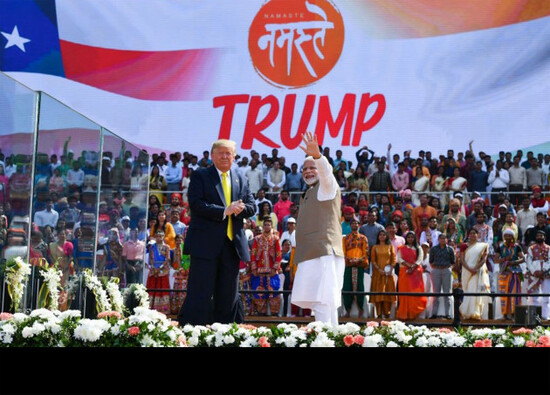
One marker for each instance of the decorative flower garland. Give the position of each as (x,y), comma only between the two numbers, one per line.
(48,296)
(139,291)
(116,298)
(17,272)
(94,285)
(150,328)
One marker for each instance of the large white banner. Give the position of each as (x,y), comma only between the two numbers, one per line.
(175,75)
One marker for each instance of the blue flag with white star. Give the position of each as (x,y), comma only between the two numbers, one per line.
(29,39)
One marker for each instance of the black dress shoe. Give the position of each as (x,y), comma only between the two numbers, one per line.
(448,317)
(433,317)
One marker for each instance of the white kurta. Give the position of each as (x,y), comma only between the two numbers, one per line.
(318,282)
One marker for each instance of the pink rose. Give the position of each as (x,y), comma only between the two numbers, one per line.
(385,323)
(529,343)
(444,330)
(359,339)
(133,331)
(522,331)
(544,340)
(182,341)
(373,324)
(488,343)
(108,314)
(5,316)
(264,342)
(348,340)
(479,343)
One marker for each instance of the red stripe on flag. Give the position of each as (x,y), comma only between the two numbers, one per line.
(163,75)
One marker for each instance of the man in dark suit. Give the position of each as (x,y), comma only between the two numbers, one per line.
(216,240)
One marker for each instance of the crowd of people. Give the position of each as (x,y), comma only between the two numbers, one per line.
(410,224)
(80,211)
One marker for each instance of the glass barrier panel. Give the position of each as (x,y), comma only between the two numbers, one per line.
(17,132)
(65,195)
(123,207)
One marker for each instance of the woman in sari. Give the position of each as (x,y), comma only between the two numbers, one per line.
(509,256)
(457,183)
(382,257)
(438,185)
(61,252)
(474,276)
(159,274)
(455,232)
(420,185)
(180,263)
(410,257)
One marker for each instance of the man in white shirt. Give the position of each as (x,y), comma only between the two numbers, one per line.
(276,178)
(255,177)
(75,177)
(290,234)
(46,217)
(243,167)
(526,216)
(260,198)
(499,178)
(518,181)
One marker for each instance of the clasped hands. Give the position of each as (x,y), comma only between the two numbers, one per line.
(235,208)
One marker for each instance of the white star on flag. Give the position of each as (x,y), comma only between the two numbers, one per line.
(15,39)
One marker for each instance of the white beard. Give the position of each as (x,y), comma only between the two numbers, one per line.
(311,181)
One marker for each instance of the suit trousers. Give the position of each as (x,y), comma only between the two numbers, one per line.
(442,280)
(212,290)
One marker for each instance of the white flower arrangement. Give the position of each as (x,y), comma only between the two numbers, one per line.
(16,273)
(140,293)
(49,292)
(116,298)
(150,328)
(96,287)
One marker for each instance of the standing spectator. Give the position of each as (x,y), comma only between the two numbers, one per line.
(290,233)
(294,183)
(538,202)
(499,178)
(46,217)
(356,254)
(422,210)
(282,208)
(383,261)
(509,256)
(400,179)
(442,259)
(410,257)
(159,274)
(542,224)
(75,178)
(358,180)
(157,184)
(363,157)
(286,253)
(526,217)
(538,273)
(173,174)
(535,174)
(260,199)
(475,277)
(205,161)
(340,159)
(518,180)
(276,179)
(243,167)
(133,254)
(265,263)
(479,179)
(255,177)
(371,229)
(380,180)
(179,227)
(348,213)
(293,214)
(180,264)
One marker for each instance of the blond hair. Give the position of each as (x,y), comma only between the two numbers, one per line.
(224,143)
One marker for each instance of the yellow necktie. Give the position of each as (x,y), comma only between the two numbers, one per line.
(227,193)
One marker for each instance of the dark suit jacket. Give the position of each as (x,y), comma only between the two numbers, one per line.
(207,228)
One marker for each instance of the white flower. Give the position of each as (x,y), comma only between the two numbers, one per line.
(115,330)
(193,341)
(392,344)
(7,338)
(422,341)
(518,341)
(91,330)
(8,328)
(402,337)
(148,341)
(373,341)
(434,341)
(69,314)
(249,342)
(322,340)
